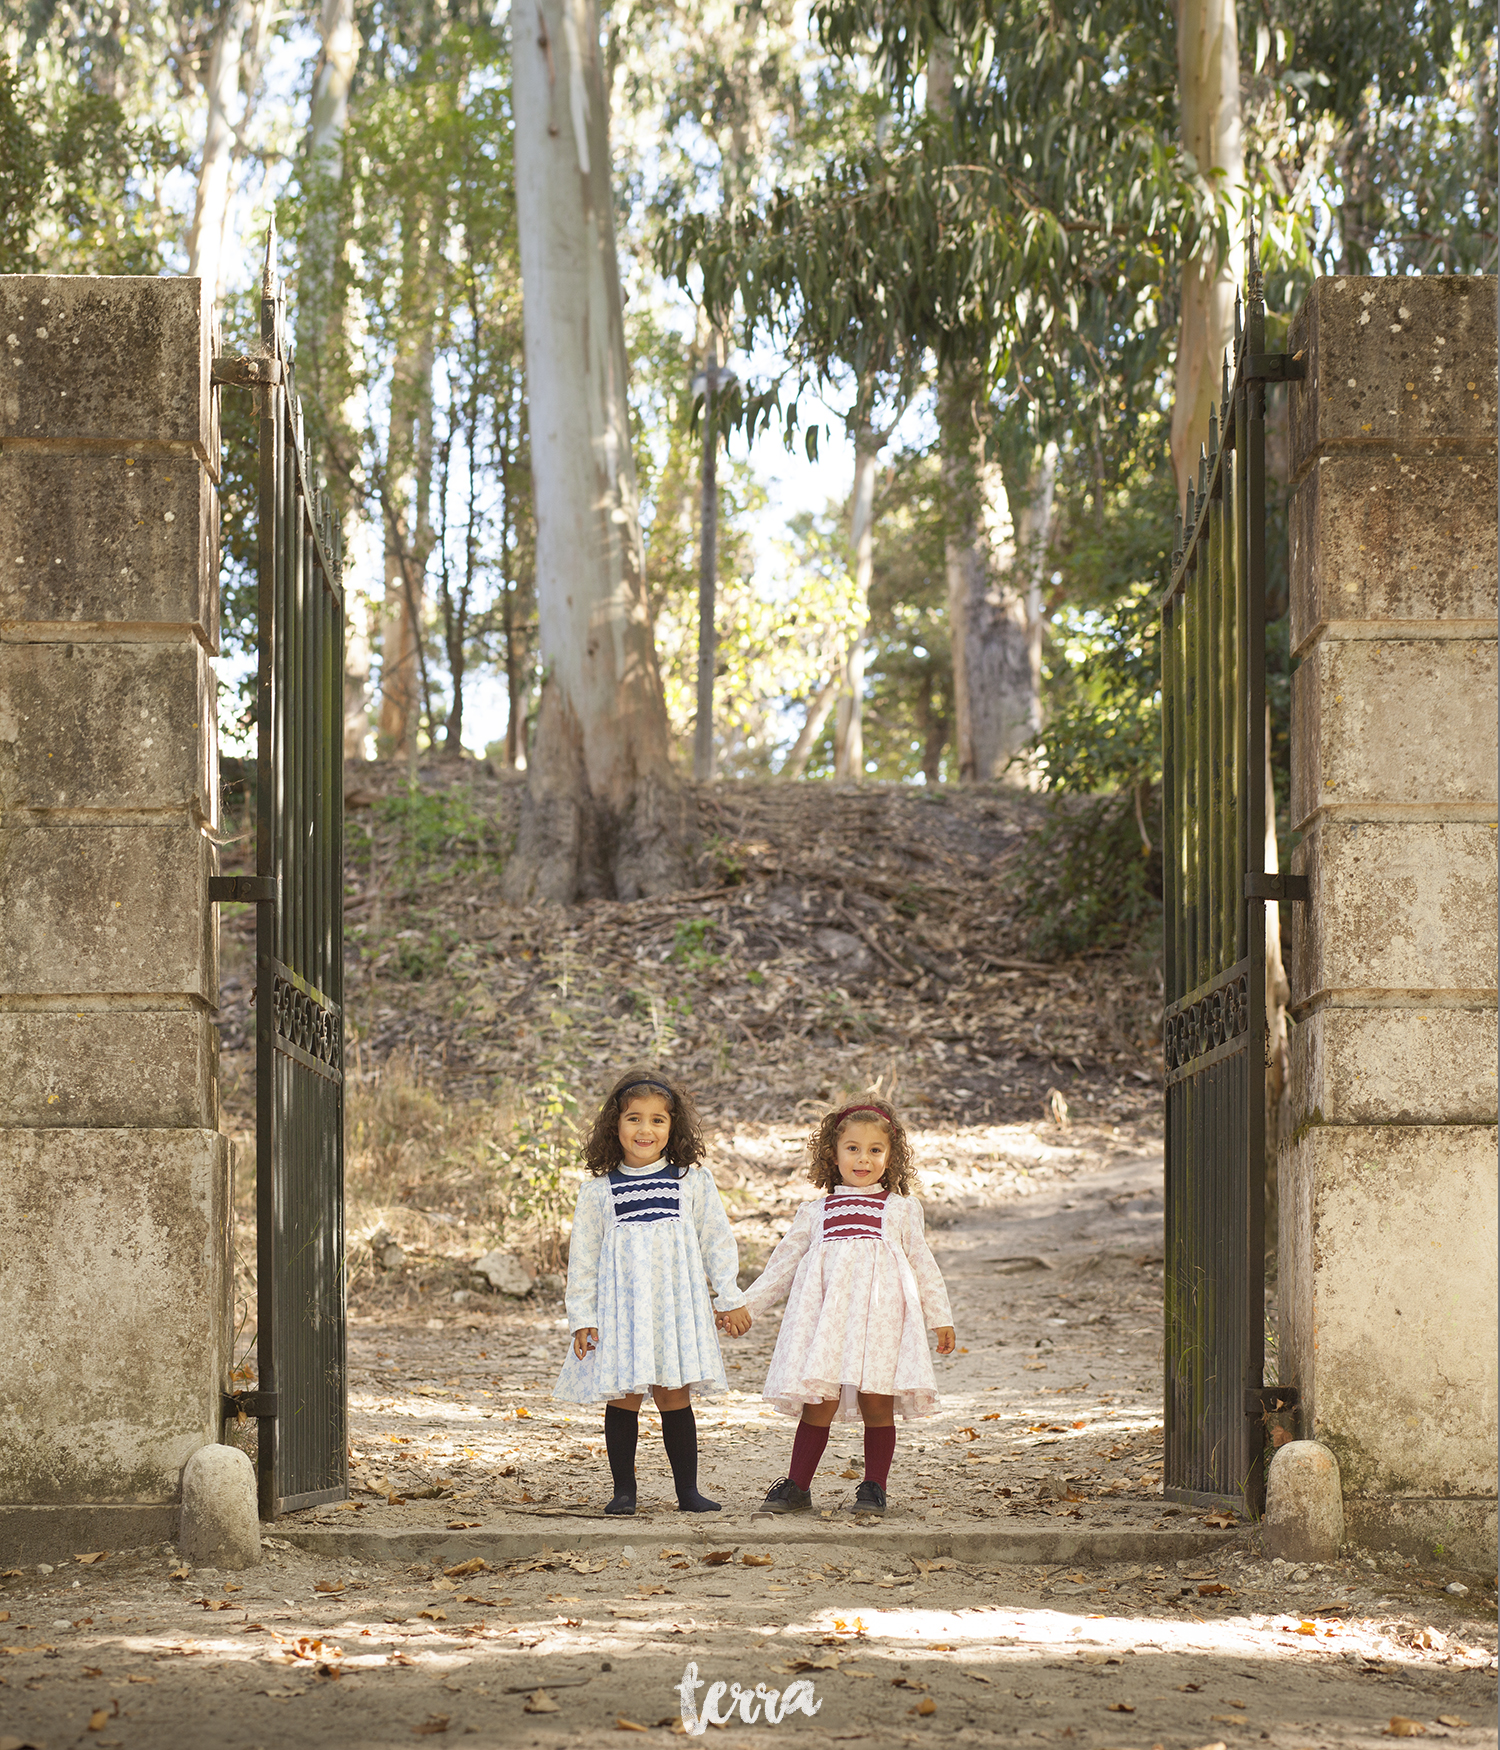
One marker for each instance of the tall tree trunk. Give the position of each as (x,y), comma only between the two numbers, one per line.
(211,209)
(990,594)
(708,570)
(848,736)
(822,703)
(603,814)
(1033,537)
(995,678)
(408,540)
(323,328)
(1208,63)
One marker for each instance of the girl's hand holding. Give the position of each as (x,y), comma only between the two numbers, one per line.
(585,1340)
(736,1322)
(947,1339)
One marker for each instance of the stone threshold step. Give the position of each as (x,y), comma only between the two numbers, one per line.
(1000,1546)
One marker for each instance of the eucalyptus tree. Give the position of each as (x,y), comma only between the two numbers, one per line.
(603,813)
(1017,235)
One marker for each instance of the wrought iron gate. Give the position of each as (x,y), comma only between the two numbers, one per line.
(1214,803)
(301,1399)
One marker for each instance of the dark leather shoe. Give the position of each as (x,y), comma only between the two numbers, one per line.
(869,1498)
(622,1506)
(786,1497)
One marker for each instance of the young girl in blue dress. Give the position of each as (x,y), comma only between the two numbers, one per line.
(649,1227)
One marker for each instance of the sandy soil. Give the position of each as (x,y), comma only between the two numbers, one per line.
(503,1607)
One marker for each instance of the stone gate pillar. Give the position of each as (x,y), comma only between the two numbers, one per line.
(1388,1207)
(114,1235)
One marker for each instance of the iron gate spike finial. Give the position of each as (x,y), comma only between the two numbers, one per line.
(1239,328)
(1213,434)
(1224,395)
(1202,473)
(268,278)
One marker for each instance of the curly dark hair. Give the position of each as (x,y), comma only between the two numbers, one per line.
(822,1147)
(602,1154)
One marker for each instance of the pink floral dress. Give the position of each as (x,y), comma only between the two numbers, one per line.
(862,1291)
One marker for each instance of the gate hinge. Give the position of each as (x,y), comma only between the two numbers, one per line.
(242,371)
(1274,367)
(246,889)
(248,1403)
(1268,1400)
(1263,886)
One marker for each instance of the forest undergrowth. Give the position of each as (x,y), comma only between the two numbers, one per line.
(839,941)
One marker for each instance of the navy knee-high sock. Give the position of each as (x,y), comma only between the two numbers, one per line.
(621,1432)
(679,1434)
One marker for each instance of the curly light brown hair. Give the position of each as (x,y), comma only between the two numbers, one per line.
(822,1147)
(602,1153)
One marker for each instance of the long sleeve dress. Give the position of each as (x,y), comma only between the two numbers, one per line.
(862,1290)
(643,1243)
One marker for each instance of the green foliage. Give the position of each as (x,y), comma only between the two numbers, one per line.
(77,180)
(436,831)
(1086,876)
(691,945)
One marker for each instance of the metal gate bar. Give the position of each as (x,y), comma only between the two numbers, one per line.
(1213,800)
(301,1402)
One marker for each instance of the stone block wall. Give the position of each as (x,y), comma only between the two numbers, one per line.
(1387,1242)
(114,1178)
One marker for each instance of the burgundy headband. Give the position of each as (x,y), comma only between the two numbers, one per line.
(880,1111)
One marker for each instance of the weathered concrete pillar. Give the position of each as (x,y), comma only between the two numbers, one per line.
(114,1181)
(1388,1205)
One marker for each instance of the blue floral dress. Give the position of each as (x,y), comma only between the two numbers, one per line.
(645,1246)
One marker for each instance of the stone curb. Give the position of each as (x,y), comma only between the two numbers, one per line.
(1124,1544)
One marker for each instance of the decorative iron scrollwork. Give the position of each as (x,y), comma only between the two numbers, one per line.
(303,1021)
(1214,1020)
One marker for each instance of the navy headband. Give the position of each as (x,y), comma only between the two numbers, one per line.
(646,1082)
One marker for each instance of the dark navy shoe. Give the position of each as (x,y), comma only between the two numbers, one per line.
(622,1506)
(786,1497)
(869,1498)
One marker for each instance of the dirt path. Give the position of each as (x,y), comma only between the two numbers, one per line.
(988,1607)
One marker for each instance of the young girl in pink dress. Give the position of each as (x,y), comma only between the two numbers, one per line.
(862,1292)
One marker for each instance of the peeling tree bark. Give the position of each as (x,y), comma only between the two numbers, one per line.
(1208,62)
(603,814)
(994,597)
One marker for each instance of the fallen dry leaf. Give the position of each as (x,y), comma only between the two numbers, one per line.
(939,1647)
(522,1413)
(750,1561)
(138,1679)
(434,1615)
(1401,1727)
(473,1598)
(463,1525)
(97,1556)
(474,1565)
(1452,1720)
(978,1676)
(179,1573)
(539,1702)
(432,1726)
(4,1616)
(1122,1707)
(925,1706)
(99,1719)
(851,1473)
(561,1598)
(1212,1589)
(1222,1520)
(717,1557)
(329,1586)
(1307,1628)
(624,1725)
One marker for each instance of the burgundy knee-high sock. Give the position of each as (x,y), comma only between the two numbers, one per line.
(807,1449)
(880,1449)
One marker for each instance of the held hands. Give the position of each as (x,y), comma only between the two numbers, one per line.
(947,1339)
(736,1323)
(584,1340)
